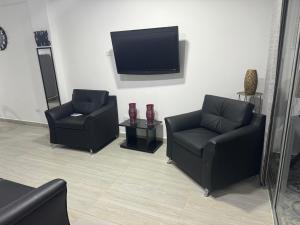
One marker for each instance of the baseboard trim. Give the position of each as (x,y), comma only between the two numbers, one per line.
(24,122)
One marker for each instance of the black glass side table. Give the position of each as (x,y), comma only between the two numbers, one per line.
(148,143)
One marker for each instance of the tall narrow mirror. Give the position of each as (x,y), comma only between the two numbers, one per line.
(49,76)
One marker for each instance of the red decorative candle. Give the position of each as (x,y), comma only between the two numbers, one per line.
(150,114)
(132,112)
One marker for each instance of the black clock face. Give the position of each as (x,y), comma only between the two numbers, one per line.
(3,39)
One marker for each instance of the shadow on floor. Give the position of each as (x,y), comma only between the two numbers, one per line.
(243,191)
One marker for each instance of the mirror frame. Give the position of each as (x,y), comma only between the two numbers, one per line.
(51,54)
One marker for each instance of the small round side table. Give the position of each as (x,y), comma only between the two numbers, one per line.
(253,99)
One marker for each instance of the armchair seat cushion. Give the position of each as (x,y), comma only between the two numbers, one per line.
(71,122)
(10,191)
(194,140)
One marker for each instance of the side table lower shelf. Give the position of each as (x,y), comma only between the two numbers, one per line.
(140,144)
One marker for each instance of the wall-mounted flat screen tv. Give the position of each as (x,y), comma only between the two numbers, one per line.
(147,51)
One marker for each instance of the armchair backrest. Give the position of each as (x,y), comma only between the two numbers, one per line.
(223,114)
(88,101)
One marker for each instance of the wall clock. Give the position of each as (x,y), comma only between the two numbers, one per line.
(3,39)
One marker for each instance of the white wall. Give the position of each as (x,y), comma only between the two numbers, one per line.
(21,90)
(38,14)
(223,38)
(220,40)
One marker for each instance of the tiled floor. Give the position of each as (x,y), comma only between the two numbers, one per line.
(123,187)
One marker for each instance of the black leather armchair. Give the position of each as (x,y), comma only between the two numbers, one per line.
(24,205)
(96,126)
(218,145)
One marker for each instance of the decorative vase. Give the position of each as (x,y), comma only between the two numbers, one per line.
(250,83)
(150,114)
(132,113)
(41,38)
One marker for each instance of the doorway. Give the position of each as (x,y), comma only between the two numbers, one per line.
(283,169)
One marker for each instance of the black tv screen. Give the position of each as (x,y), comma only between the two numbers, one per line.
(147,51)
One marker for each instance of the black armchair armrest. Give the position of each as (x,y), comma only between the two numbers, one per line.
(57,113)
(234,155)
(234,137)
(103,124)
(184,121)
(45,205)
(98,113)
(109,108)
(60,112)
(180,122)
(246,133)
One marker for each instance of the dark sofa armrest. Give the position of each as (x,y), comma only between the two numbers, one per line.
(252,134)
(45,205)
(234,137)
(103,124)
(234,155)
(107,109)
(180,122)
(98,113)
(183,121)
(59,112)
